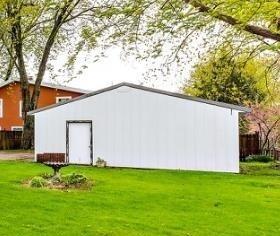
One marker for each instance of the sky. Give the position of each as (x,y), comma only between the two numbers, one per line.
(114,69)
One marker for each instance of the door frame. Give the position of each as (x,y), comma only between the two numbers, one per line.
(68,122)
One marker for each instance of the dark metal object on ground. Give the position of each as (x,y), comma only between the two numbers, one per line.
(56,166)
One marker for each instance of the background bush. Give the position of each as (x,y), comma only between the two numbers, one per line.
(259,158)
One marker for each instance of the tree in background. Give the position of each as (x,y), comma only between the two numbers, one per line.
(33,33)
(239,81)
(265,119)
(167,29)
(227,78)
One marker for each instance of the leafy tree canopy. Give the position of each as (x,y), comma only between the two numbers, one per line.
(171,28)
(42,30)
(234,79)
(33,33)
(226,78)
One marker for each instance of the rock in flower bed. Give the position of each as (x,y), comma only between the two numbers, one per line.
(64,182)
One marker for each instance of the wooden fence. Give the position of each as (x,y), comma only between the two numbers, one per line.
(249,144)
(10,140)
(275,153)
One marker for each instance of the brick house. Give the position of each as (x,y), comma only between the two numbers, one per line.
(11,104)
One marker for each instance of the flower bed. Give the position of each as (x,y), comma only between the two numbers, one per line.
(63,182)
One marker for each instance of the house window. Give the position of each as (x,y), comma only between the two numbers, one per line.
(17,128)
(20,108)
(63,99)
(1,107)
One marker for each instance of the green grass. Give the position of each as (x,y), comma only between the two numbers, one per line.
(142,202)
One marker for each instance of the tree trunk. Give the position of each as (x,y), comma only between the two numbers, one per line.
(17,42)
(28,127)
(30,102)
(27,140)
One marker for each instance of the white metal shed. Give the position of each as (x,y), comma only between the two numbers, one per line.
(130,125)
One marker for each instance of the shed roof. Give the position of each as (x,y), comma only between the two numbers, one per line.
(153,90)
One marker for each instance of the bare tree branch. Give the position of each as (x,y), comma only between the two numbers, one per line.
(47,49)
(256,30)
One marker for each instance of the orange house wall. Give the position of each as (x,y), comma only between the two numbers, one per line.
(11,96)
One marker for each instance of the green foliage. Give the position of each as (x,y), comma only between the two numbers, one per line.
(259,158)
(176,31)
(34,33)
(227,79)
(248,11)
(244,125)
(46,175)
(60,182)
(48,28)
(38,182)
(73,179)
(239,80)
(55,180)
(158,28)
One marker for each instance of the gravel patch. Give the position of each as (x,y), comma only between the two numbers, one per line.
(9,155)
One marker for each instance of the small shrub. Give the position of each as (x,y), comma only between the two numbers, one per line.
(259,158)
(38,182)
(46,175)
(74,179)
(56,179)
(100,162)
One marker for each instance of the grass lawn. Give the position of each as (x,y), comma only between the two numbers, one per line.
(142,202)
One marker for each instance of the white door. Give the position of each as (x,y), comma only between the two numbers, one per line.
(79,143)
